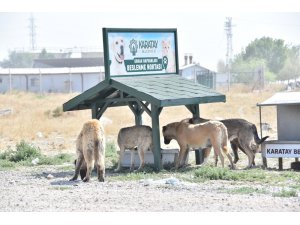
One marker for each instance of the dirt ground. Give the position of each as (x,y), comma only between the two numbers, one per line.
(31,189)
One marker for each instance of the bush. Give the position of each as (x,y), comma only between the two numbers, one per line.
(286,193)
(111,155)
(23,152)
(55,160)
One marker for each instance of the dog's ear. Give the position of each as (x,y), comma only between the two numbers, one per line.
(164,128)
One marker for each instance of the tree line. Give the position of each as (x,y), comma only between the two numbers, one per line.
(276,59)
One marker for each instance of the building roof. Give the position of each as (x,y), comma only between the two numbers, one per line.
(163,90)
(68,62)
(282,98)
(193,65)
(37,71)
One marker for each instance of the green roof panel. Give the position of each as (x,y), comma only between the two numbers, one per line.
(161,90)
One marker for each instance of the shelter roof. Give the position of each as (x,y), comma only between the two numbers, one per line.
(282,98)
(161,90)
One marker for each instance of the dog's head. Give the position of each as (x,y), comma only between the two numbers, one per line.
(117,46)
(166,45)
(168,134)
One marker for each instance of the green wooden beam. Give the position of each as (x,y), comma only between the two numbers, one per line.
(155,111)
(137,111)
(194,109)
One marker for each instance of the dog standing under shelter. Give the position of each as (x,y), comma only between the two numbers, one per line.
(90,150)
(134,138)
(211,133)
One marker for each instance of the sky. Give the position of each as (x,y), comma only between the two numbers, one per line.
(200,27)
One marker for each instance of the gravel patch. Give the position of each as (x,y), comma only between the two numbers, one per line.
(40,188)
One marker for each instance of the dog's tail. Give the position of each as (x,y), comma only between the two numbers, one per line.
(257,139)
(224,139)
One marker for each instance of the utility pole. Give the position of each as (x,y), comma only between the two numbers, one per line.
(32,32)
(228,29)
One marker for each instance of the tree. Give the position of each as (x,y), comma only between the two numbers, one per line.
(291,68)
(45,55)
(273,51)
(245,71)
(24,59)
(18,60)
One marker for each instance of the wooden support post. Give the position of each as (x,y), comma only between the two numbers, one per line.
(264,159)
(280,163)
(94,111)
(199,153)
(137,111)
(155,111)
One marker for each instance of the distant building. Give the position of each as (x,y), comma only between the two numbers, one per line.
(193,71)
(48,80)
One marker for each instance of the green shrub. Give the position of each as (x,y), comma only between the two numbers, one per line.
(57,112)
(111,155)
(24,152)
(56,159)
(286,193)
(6,164)
(214,173)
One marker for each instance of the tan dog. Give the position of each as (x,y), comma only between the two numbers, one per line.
(134,138)
(241,134)
(211,133)
(90,150)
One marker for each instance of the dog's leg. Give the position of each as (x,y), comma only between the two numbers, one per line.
(100,165)
(180,157)
(206,154)
(250,155)
(79,162)
(122,149)
(234,147)
(89,168)
(141,153)
(230,160)
(216,159)
(218,153)
(132,159)
(90,162)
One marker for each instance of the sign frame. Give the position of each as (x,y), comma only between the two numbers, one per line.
(106,32)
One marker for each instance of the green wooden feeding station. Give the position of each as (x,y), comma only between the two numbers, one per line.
(141,72)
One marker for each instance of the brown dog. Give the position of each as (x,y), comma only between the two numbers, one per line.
(211,133)
(242,134)
(90,150)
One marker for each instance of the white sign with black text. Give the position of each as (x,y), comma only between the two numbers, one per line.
(283,150)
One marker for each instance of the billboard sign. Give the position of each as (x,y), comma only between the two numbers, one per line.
(130,52)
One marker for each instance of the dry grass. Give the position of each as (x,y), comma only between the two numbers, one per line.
(32,117)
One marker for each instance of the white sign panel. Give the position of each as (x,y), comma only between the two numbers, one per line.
(283,150)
